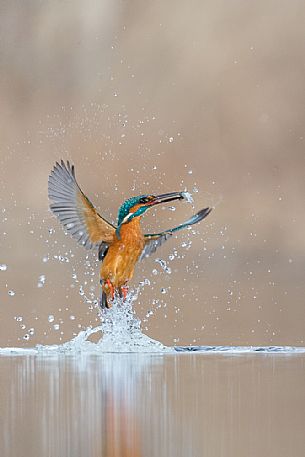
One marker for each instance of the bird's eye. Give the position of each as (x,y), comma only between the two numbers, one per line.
(147,199)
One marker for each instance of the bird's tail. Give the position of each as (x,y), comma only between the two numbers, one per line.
(104,301)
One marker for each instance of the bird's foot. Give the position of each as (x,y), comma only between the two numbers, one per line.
(124,291)
(110,287)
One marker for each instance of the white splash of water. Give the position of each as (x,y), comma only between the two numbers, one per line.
(120,331)
(80,344)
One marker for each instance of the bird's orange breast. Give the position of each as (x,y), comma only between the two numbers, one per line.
(119,263)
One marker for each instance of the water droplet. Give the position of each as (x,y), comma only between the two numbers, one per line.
(171,139)
(81,291)
(41,281)
(3,267)
(146,282)
(26,337)
(11,293)
(72,317)
(163,290)
(186,244)
(164,266)
(51,318)
(31,331)
(56,326)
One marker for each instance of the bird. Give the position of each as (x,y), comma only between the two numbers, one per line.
(119,247)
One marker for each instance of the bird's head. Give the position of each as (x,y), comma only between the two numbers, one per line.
(136,206)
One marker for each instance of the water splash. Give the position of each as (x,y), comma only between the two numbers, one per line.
(120,331)
(81,344)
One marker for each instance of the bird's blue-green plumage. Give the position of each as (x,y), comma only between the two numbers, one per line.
(126,207)
(125,210)
(128,204)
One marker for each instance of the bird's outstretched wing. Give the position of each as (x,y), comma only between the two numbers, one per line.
(74,209)
(153,241)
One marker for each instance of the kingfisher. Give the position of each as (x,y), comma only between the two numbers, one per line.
(120,246)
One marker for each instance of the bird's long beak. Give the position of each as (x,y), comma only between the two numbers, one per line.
(164,198)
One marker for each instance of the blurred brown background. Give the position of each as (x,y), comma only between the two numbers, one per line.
(151,97)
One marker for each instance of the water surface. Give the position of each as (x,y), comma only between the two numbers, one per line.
(158,404)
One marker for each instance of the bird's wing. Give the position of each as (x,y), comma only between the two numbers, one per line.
(153,241)
(74,209)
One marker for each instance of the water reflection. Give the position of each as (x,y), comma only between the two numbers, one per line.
(76,406)
(152,405)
